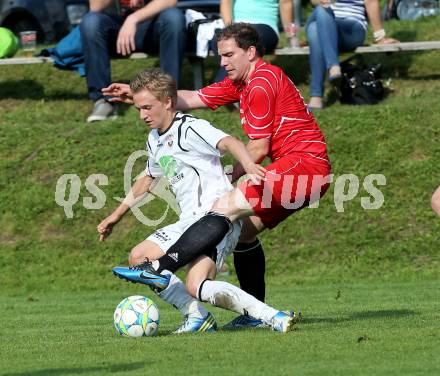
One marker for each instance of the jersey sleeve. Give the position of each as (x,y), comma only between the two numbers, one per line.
(219,93)
(152,168)
(260,105)
(202,137)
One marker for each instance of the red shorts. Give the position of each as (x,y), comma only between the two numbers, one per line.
(292,182)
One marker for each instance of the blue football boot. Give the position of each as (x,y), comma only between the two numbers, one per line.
(143,273)
(197,325)
(245,322)
(285,321)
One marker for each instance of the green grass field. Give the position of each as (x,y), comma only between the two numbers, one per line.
(367,281)
(350,329)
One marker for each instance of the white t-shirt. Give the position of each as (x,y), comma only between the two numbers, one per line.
(187,156)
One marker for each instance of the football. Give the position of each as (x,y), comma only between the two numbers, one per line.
(136,316)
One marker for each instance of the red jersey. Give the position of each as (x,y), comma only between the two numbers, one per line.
(271,107)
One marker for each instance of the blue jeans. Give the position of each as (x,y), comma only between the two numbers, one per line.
(165,33)
(328,36)
(268,36)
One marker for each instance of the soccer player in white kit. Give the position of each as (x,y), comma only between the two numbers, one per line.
(186,151)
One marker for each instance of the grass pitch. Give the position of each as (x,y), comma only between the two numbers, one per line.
(348,329)
(367,281)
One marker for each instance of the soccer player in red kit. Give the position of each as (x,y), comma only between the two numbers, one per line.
(279,126)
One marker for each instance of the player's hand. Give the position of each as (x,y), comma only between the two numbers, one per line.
(125,44)
(387,41)
(118,93)
(255,172)
(105,228)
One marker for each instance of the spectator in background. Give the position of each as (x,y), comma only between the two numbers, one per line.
(336,27)
(148,26)
(262,15)
(435,201)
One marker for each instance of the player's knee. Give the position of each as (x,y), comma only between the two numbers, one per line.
(136,256)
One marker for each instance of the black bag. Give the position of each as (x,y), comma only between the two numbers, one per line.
(360,84)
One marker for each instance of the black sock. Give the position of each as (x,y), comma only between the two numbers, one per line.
(201,238)
(250,266)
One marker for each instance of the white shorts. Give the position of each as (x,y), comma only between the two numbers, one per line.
(166,236)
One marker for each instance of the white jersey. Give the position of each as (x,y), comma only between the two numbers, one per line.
(187,156)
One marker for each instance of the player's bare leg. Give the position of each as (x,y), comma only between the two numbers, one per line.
(145,249)
(199,239)
(175,293)
(233,205)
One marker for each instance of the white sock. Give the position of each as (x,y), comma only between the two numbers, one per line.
(155,264)
(224,295)
(177,295)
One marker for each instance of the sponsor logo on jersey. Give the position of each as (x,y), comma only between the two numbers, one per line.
(176,179)
(168,165)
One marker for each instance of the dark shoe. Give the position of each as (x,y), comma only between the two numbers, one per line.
(244,322)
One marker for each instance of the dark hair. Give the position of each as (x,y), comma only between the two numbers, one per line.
(244,35)
(156,81)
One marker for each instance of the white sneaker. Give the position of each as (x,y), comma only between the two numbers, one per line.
(197,325)
(102,110)
(285,321)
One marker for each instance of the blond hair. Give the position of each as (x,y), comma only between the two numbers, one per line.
(157,82)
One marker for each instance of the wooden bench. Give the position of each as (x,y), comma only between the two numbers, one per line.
(375,48)
(197,62)
(397,47)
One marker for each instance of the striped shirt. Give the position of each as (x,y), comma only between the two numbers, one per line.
(354,9)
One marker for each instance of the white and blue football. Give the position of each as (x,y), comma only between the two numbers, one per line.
(136,316)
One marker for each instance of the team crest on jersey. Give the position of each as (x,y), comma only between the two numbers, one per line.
(169,140)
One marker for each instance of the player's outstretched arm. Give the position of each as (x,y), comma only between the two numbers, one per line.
(186,99)
(230,144)
(189,100)
(258,150)
(118,92)
(137,192)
